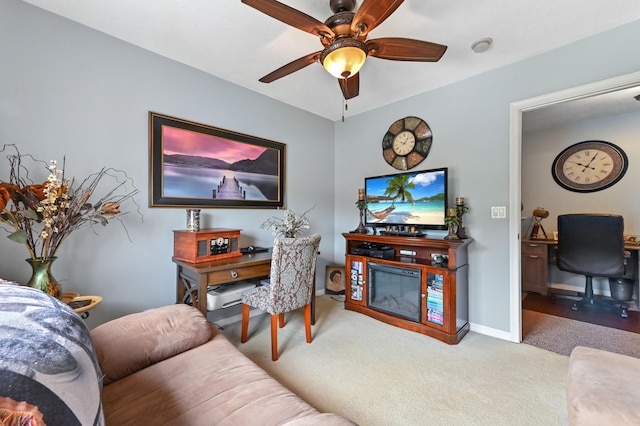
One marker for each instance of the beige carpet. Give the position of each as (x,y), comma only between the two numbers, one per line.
(377,374)
(561,335)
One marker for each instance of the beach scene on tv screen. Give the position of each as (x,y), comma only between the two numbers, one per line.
(409,198)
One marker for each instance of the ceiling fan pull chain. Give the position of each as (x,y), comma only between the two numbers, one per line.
(345,107)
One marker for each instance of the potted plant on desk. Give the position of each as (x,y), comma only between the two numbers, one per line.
(291,226)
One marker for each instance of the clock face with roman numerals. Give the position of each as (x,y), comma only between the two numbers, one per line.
(589,166)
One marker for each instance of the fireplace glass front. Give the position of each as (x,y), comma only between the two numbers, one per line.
(394,290)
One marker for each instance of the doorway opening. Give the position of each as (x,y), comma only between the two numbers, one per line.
(518,111)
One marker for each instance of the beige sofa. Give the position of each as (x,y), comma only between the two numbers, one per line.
(171,366)
(603,388)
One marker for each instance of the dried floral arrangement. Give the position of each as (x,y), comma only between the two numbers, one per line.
(43,215)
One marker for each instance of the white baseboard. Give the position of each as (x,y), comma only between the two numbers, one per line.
(488,331)
(491,332)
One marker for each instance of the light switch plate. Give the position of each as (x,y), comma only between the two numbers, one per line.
(498,212)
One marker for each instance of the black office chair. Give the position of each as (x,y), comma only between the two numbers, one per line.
(591,245)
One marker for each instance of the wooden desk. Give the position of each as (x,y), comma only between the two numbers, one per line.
(192,279)
(536,255)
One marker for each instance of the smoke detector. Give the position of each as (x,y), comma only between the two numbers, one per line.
(482,45)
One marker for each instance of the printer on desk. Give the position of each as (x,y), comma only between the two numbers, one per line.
(227,295)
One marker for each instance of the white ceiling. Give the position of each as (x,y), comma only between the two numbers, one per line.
(617,102)
(235,42)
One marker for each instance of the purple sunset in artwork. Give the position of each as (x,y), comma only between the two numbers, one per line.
(185,142)
(202,166)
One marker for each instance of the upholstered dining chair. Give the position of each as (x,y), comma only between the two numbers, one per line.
(292,277)
(591,245)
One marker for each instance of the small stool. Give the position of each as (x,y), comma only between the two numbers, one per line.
(603,388)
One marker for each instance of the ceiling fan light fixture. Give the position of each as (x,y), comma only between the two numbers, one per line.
(344,57)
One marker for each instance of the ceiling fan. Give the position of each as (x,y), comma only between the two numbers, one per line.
(344,37)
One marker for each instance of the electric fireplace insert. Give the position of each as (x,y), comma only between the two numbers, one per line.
(394,290)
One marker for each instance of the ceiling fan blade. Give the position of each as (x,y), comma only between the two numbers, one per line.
(350,86)
(372,13)
(405,49)
(291,16)
(291,67)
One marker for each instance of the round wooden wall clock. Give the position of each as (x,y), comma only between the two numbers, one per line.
(407,142)
(589,166)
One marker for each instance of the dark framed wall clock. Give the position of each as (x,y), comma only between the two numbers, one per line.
(407,143)
(589,166)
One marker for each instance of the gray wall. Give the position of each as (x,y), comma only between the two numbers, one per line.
(470,123)
(540,190)
(65,89)
(68,90)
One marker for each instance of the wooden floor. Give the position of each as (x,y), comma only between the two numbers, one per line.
(592,314)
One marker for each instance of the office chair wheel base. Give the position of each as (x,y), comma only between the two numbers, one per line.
(574,307)
(624,313)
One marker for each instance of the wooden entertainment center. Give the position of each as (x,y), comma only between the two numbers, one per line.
(444,297)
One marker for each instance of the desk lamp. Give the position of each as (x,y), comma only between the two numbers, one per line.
(538,214)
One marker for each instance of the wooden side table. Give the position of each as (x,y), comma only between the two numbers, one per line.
(94,301)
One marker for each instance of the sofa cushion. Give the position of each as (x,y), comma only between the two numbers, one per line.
(130,343)
(603,388)
(48,370)
(213,384)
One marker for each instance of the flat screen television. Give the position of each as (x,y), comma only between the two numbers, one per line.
(412,199)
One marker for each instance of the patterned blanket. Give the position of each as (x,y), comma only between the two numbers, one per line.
(48,370)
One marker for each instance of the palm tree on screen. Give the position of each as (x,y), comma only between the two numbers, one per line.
(398,187)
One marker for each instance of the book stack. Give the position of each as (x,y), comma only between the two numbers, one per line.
(357,280)
(434,299)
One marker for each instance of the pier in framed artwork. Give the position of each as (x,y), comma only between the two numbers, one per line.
(196,165)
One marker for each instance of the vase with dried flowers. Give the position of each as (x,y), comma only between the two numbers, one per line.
(290,226)
(43,215)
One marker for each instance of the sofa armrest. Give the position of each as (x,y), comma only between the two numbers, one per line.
(130,343)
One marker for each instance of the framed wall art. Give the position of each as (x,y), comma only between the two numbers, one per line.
(334,279)
(196,165)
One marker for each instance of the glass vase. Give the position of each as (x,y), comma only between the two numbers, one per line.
(193,219)
(41,277)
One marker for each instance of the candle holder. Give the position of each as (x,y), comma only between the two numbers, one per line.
(361,229)
(461,209)
(452,220)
